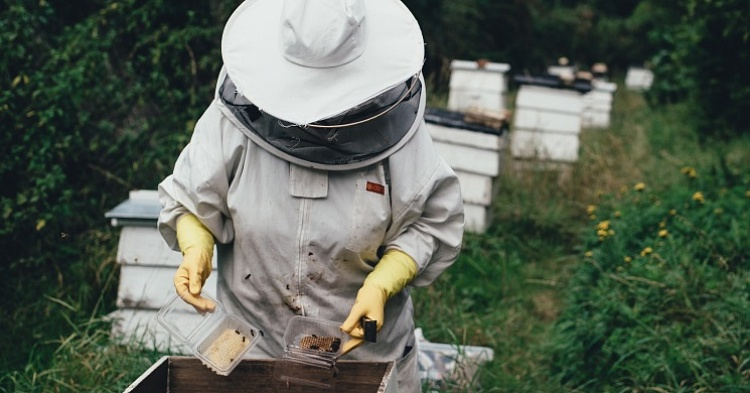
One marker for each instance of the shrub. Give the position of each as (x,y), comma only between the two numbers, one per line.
(704,56)
(97,100)
(661,300)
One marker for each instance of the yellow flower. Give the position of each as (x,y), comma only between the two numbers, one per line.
(662,224)
(611,232)
(647,251)
(698,197)
(673,212)
(689,172)
(40,224)
(618,214)
(588,254)
(591,209)
(640,186)
(663,233)
(592,217)
(627,259)
(604,225)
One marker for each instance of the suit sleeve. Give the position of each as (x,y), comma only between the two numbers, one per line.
(428,216)
(200,181)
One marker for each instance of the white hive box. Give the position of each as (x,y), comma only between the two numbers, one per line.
(546,124)
(147,266)
(597,105)
(477,84)
(475,154)
(638,78)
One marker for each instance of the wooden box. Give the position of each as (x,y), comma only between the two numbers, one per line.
(547,124)
(479,84)
(147,267)
(179,374)
(639,79)
(597,105)
(476,155)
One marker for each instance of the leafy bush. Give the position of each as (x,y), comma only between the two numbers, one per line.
(97,99)
(661,300)
(704,56)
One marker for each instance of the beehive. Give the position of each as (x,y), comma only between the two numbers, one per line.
(177,374)
(638,78)
(147,267)
(476,155)
(597,105)
(546,124)
(479,84)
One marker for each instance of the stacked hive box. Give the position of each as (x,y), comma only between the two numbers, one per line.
(477,84)
(473,151)
(475,154)
(597,105)
(546,124)
(639,78)
(147,267)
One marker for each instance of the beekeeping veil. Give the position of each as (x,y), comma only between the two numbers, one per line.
(329,84)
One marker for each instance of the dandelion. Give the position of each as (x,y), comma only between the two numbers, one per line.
(627,259)
(604,225)
(591,209)
(663,233)
(663,224)
(698,197)
(647,251)
(640,186)
(673,212)
(611,232)
(689,172)
(588,254)
(618,214)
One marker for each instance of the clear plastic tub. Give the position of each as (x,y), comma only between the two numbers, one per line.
(311,347)
(218,339)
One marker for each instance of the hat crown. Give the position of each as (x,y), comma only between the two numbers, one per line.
(323,33)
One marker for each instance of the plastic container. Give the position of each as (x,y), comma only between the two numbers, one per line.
(218,339)
(311,347)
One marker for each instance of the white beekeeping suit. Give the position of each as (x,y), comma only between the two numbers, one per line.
(310,164)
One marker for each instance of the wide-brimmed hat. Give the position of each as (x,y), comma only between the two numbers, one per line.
(308,60)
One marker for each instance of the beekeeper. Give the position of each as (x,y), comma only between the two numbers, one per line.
(313,175)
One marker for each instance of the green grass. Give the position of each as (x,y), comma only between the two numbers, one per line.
(559,306)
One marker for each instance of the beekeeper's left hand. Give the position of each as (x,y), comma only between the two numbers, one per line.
(393,272)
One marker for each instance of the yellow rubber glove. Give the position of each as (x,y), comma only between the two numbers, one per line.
(393,272)
(197,245)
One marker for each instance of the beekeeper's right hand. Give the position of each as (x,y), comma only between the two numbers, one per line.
(197,245)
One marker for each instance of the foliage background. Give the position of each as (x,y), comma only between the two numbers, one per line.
(97,98)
